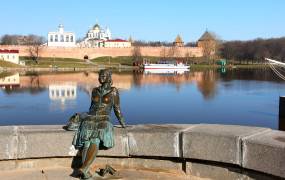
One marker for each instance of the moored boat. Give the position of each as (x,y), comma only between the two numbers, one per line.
(166,65)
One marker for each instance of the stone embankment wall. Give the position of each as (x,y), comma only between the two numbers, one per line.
(212,151)
(79,53)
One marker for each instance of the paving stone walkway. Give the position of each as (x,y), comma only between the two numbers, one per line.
(65,174)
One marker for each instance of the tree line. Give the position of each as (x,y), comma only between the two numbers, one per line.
(22,39)
(253,51)
(34,42)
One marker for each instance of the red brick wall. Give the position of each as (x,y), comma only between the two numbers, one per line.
(79,53)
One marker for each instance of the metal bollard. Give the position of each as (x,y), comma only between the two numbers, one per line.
(282,106)
(282,113)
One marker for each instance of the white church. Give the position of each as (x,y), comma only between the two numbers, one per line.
(96,37)
(61,38)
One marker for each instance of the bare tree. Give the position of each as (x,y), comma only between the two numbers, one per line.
(35,47)
(171,52)
(34,52)
(188,55)
(21,40)
(163,53)
(8,39)
(136,54)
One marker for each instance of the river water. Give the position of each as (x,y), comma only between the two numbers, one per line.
(232,96)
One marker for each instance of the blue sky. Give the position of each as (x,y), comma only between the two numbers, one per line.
(149,19)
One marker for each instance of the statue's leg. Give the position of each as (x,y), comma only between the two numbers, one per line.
(88,157)
(84,151)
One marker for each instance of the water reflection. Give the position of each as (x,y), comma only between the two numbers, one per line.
(206,83)
(62,94)
(9,81)
(234,96)
(205,80)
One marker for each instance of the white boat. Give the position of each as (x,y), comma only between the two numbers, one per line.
(166,66)
(166,71)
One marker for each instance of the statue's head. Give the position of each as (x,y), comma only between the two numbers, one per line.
(105,76)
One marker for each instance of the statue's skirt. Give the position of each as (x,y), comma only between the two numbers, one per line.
(94,130)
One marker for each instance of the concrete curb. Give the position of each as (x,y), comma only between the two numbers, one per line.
(254,148)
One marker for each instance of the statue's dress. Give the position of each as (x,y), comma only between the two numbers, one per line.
(95,126)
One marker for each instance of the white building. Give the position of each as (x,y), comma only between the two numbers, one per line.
(10,55)
(95,37)
(61,38)
(117,43)
(99,33)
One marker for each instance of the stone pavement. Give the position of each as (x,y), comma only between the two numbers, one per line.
(65,174)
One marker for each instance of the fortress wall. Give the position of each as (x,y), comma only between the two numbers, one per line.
(79,53)
(204,150)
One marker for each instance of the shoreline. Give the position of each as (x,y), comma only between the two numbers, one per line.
(121,67)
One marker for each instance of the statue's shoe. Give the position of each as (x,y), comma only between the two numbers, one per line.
(86,176)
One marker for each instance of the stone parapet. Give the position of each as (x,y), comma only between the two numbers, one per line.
(221,143)
(193,147)
(265,152)
(156,140)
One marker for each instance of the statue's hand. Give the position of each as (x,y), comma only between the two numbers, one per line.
(122,122)
(122,126)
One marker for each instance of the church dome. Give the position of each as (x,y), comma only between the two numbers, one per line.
(96,26)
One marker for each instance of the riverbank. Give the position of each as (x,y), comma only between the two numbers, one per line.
(121,63)
(204,150)
(106,60)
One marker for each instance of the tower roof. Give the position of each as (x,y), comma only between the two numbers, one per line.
(178,39)
(206,36)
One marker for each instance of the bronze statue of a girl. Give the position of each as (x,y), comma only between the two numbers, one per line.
(95,129)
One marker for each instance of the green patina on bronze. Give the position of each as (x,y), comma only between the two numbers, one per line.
(94,130)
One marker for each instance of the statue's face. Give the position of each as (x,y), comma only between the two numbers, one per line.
(103,77)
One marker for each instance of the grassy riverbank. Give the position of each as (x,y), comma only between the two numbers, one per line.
(57,62)
(8,64)
(105,62)
(123,60)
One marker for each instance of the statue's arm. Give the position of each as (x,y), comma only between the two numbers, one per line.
(92,102)
(117,108)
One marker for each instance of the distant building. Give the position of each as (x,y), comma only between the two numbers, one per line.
(117,43)
(61,38)
(207,37)
(98,37)
(208,43)
(10,55)
(178,41)
(95,37)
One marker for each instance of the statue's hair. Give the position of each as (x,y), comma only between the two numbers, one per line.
(108,74)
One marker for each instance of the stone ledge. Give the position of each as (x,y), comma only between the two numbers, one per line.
(221,143)
(156,140)
(20,142)
(259,149)
(265,153)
